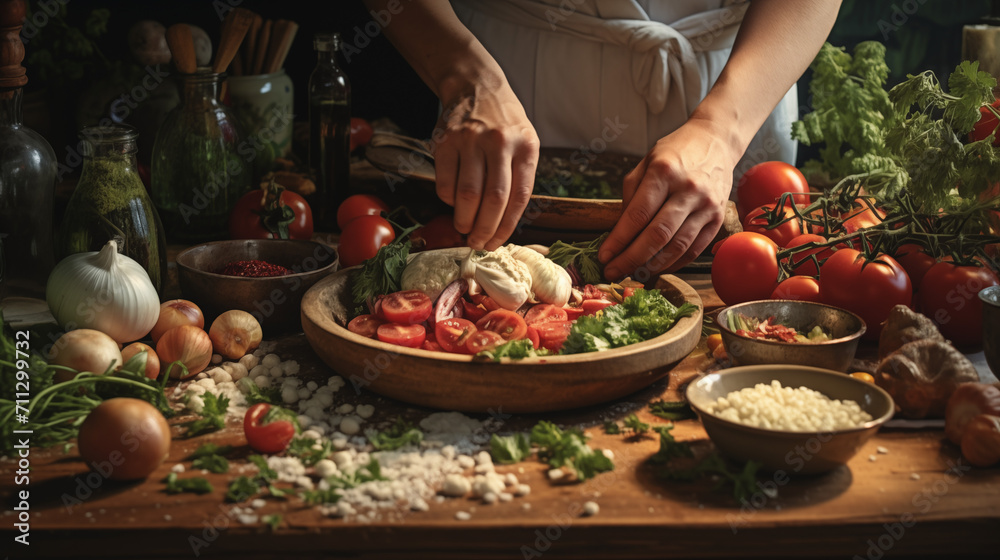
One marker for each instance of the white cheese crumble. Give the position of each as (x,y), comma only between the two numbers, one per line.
(800,409)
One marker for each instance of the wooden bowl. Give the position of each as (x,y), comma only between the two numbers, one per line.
(455,382)
(274,301)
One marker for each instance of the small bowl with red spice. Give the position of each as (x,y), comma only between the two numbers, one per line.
(264,277)
(782,331)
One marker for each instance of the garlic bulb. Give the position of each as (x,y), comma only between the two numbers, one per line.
(504,278)
(550,281)
(105,291)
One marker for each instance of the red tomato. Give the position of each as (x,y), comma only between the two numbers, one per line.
(802,263)
(572,313)
(860,217)
(591,291)
(869,289)
(949,295)
(452,334)
(544,312)
(915,261)
(408,307)
(411,336)
(365,325)
(488,303)
(438,233)
(362,238)
(986,124)
(801,288)
(509,324)
(626,292)
(765,182)
(269,429)
(745,268)
(472,311)
(361,132)
(483,340)
(247,222)
(358,205)
(592,306)
(782,233)
(431,345)
(553,334)
(532,335)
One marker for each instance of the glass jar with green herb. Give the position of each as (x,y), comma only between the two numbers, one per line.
(198,169)
(110,202)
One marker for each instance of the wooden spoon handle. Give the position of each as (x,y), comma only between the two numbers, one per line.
(283,43)
(262,39)
(181,46)
(234,28)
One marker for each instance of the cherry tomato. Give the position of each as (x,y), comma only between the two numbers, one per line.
(247,222)
(362,238)
(365,325)
(408,307)
(488,303)
(789,227)
(592,306)
(452,334)
(765,182)
(802,263)
(483,340)
(986,124)
(124,439)
(438,233)
(268,428)
(869,289)
(949,295)
(509,324)
(358,205)
(800,288)
(544,312)
(472,311)
(361,132)
(553,334)
(915,261)
(431,345)
(745,268)
(411,336)
(532,335)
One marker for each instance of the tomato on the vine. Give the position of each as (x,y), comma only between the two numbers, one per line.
(861,216)
(802,263)
(361,239)
(438,233)
(765,182)
(358,205)
(800,288)
(269,428)
(361,132)
(949,295)
(986,124)
(745,267)
(788,227)
(869,289)
(915,261)
(271,213)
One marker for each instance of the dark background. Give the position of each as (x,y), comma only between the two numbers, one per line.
(918,34)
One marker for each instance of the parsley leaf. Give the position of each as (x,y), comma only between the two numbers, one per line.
(742,479)
(400,434)
(569,449)
(510,449)
(581,256)
(513,349)
(381,274)
(612,428)
(197,484)
(212,463)
(635,426)
(671,410)
(213,415)
(644,315)
(242,488)
(308,450)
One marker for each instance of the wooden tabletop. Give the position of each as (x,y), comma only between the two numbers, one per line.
(917,497)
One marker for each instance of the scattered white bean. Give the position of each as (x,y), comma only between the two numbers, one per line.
(365,410)
(350,426)
(801,409)
(238,371)
(262,381)
(591,508)
(344,409)
(249,361)
(271,360)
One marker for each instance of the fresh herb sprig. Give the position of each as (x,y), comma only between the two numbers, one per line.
(568,448)
(743,479)
(580,257)
(510,449)
(644,315)
(400,434)
(381,274)
(196,484)
(211,457)
(213,415)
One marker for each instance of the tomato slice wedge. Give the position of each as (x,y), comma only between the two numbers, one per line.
(408,307)
(592,306)
(452,334)
(506,323)
(552,335)
(483,340)
(365,325)
(572,313)
(533,336)
(473,311)
(411,336)
(544,312)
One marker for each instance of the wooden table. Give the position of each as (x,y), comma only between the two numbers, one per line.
(919,499)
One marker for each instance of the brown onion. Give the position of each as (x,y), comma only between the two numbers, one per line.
(124,439)
(152,360)
(176,313)
(85,350)
(187,344)
(234,333)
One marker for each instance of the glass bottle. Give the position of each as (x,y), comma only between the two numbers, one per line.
(199,168)
(329,131)
(27,188)
(110,202)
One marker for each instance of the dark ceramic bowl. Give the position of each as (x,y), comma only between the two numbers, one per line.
(274,301)
(991,327)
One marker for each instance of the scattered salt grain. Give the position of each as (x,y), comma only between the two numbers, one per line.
(463,516)
(591,509)
(882,450)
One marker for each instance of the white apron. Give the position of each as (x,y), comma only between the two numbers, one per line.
(618,75)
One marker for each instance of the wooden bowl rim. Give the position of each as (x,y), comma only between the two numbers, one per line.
(181,256)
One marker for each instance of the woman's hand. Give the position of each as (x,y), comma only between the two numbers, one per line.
(673,203)
(485,153)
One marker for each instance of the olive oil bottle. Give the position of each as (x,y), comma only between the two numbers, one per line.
(329,131)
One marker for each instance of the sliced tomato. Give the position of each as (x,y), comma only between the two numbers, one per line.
(508,324)
(628,292)
(473,311)
(553,334)
(486,301)
(532,335)
(592,306)
(408,307)
(411,336)
(483,340)
(365,325)
(452,334)
(431,345)
(544,312)
(572,312)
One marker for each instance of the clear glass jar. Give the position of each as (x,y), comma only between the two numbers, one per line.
(27,188)
(199,168)
(110,202)
(263,104)
(329,131)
